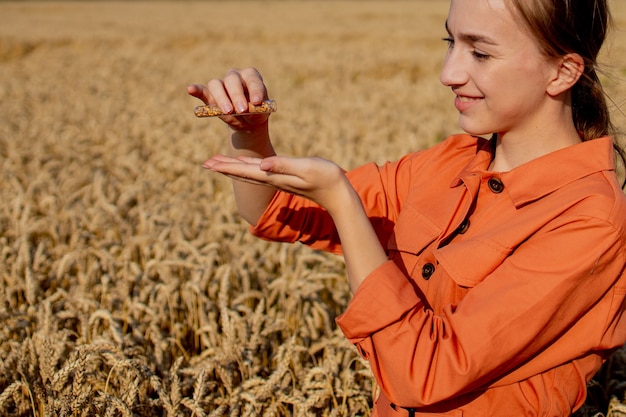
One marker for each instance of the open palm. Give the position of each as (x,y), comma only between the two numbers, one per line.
(317,179)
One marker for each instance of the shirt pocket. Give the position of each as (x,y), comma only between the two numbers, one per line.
(413,232)
(470,261)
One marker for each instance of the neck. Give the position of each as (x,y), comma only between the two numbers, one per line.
(511,153)
(514,148)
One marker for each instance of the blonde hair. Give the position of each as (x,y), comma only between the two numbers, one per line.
(562,27)
(574,26)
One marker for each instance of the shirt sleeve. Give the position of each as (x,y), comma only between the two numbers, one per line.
(558,296)
(291,218)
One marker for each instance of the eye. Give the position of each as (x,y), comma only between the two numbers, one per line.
(449,41)
(479,55)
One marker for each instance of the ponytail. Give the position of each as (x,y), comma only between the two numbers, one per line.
(589,107)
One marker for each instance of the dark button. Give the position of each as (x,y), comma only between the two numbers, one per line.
(427,270)
(464,226)
(495,185)
(411,411)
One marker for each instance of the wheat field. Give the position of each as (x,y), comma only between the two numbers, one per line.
(128,284)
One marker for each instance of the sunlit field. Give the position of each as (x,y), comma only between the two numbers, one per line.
(128,284)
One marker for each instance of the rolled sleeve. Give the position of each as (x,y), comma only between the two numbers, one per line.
(381,300)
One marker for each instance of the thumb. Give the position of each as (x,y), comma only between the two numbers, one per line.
(273,164)
(197,91)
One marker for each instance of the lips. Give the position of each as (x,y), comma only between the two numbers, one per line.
(463,103)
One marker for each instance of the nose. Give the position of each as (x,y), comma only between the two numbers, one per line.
(453,73)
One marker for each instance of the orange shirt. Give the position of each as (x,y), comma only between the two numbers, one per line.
(503,292)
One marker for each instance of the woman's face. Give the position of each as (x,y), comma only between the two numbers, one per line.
(495,69)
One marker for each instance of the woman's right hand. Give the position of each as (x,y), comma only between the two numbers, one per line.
(232,95)
(249,136)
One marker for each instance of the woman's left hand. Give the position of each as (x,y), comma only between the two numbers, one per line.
(317,179)
(326,184)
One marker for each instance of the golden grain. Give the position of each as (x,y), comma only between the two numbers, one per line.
(267,106)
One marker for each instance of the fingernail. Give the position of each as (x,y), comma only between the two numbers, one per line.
(227,107)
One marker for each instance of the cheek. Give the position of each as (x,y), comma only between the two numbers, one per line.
(513,87)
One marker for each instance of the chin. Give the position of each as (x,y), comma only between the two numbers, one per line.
(474,129)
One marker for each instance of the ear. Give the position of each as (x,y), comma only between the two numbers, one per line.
(568,70)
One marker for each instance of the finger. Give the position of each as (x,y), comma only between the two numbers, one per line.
(248,180)
(253,81)
(198,91)
(249,159)
(219,96)
(238,170)
(283,165)
(217,159)
(236,90)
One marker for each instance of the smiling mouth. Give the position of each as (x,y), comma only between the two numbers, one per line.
(464,103)
(465,99)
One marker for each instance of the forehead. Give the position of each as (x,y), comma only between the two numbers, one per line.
(489,19)
(481,13)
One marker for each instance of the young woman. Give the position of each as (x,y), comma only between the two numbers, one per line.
(488,274)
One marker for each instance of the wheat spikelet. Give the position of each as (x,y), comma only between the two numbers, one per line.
(113,327)
(175,387)
(110,374)
(5,279)
(131,391)
(274,409)
(155,336)
(321,317)
(82,400)
(221,410)
(41,257)
(156,385)
(65,264)
(46,349)
(194,407)
(209,336)
(312,332)
(316,379)
(257,322)
(224,275)
(62,377)
(32,286)
(11,395)
(261,390)
(28,368)
(317,399)
(191,296)
(62,403)
(226,378)
(229,339)
(102,200)
(115,407)
(258,390)
(200,385)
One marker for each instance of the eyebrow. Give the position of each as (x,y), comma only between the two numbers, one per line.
(473,38)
